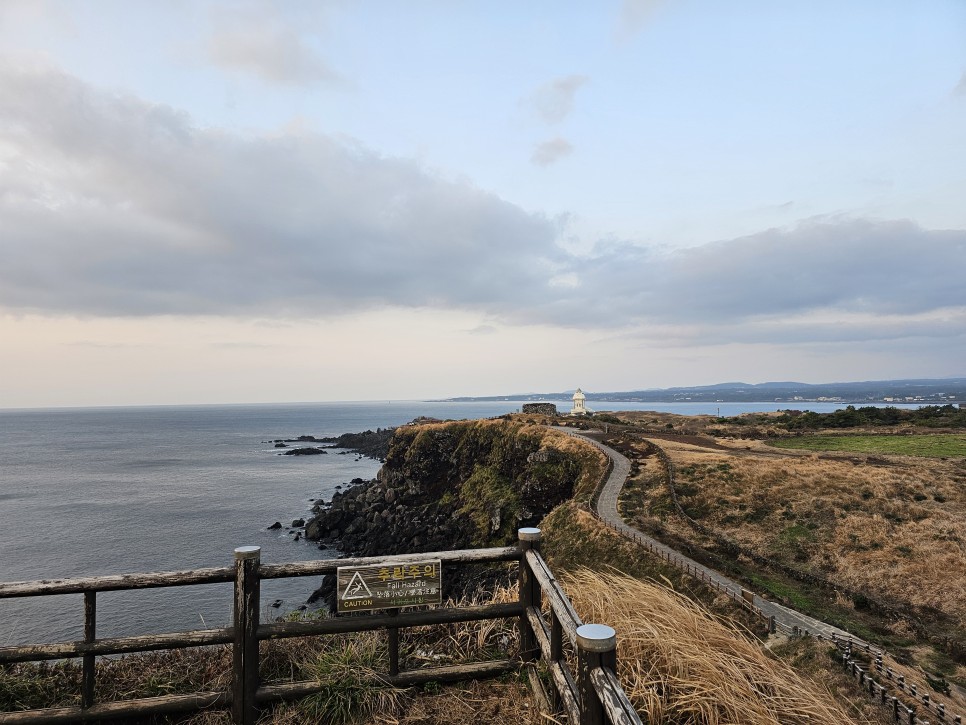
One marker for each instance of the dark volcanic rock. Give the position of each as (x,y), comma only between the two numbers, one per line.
(461,485)
(374,444)
(276,525)
(298,522)
(306,451)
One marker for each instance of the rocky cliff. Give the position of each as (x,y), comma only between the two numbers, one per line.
(456,485)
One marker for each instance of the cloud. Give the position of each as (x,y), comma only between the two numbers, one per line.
(960,89)
(483,330)
(634,15)
(111,206)
(554,101)
(835,266)
(260,40)
(277,56)
(550,152)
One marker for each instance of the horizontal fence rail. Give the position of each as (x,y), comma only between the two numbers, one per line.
(592,696)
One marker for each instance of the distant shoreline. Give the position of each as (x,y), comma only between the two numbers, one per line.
(947,391)
(704,401)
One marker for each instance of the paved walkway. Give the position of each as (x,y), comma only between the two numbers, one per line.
(606,509)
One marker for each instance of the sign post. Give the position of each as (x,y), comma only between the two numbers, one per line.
(388,586)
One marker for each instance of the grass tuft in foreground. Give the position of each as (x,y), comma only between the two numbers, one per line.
(680,664)
(351,685)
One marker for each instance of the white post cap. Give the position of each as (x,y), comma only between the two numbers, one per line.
(596,638)
(247,552)
(529,534)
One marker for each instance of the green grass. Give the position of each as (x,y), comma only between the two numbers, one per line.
(351,687)
(933,446)
(791,593)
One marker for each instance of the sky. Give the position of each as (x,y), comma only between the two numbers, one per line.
(254,201)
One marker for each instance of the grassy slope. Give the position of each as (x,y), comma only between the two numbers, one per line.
(889,525)
(575,540)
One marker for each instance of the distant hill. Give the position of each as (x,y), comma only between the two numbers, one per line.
(933,392)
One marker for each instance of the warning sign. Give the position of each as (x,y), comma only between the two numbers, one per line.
(389,586)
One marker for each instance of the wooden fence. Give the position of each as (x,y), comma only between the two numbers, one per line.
(593,697)
(889,688)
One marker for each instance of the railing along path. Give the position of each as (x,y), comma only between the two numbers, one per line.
(891,689)
(592,697)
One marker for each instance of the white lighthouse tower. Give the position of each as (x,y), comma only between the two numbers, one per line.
(579,408)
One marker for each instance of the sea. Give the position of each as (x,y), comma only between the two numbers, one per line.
(96,491)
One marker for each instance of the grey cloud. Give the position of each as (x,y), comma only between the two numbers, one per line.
(554,101)
(782,330)
(854,266)
(848,264)
(113,206)
(482,330)
(550,152)
(634,15)
(275,55)
(270,41)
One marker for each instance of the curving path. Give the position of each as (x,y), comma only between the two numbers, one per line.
(606,508)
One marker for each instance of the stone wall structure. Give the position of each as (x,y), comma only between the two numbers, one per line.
(540,408)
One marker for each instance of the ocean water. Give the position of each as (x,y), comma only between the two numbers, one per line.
(122,490)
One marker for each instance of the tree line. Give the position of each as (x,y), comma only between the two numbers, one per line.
(928,416)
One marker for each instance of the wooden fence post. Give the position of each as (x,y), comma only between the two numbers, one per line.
(556,653)
(245,651)
(88,662)
(529,538)
(393,634)
(596,647)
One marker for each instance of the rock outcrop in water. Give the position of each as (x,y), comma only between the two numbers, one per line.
(371,443)
(305,451)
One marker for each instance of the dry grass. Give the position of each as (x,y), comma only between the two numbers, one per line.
(890,527)
(593,462)
(895,528)
(679,664)
(151,674)
(470,704)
